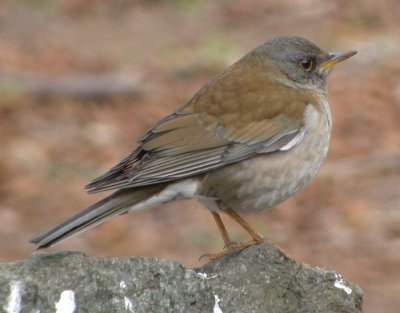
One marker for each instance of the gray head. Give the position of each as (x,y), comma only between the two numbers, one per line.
(304,63)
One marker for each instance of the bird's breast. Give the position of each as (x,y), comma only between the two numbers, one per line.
(261,182)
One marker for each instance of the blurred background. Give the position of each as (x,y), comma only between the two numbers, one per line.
(81,80)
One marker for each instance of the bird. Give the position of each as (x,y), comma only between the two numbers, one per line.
(250,138)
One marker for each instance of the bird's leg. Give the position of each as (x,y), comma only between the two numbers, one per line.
(230,246)
(221,227)
(257,238)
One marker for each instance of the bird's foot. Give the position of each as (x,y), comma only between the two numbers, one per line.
(231,248)
(282,253)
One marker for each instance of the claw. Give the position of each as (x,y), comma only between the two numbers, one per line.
(205,255)
(231,244)
(231,248)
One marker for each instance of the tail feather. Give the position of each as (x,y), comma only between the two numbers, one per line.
(116,204)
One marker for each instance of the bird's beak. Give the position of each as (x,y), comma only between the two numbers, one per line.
(336,57)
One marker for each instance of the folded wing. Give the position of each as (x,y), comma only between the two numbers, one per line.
(203,136)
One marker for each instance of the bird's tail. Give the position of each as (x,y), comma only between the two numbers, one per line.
(116,204)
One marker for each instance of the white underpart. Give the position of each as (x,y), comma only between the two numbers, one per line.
(14,299)
(217,309)
(122,284)
(210,204)
(340,284)
(66,304)
(311,117)
(182,190)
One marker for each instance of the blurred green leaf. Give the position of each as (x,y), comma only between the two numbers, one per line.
(11,91)
(189,8)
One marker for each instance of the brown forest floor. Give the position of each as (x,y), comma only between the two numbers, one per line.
(347,219)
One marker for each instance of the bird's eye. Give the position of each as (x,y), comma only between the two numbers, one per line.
(307,64)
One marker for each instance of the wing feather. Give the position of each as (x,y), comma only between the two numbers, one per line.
(205,135)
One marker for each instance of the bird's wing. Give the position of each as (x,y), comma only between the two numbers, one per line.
(219,126)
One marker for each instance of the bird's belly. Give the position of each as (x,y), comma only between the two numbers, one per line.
(263,181)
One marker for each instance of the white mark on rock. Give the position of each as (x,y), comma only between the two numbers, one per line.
(66,304)
(205,276)
(217,309)
(128,304)
(340,284)
(14,299)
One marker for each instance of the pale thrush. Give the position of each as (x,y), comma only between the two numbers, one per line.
(249,139)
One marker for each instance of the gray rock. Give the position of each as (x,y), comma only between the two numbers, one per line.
(257,279)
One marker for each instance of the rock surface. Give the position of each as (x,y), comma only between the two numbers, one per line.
(258,279)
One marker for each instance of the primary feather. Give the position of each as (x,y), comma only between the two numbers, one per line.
(196,139)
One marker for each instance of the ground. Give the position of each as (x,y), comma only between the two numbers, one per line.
(346,219)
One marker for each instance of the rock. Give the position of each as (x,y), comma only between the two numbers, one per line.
(257,279)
